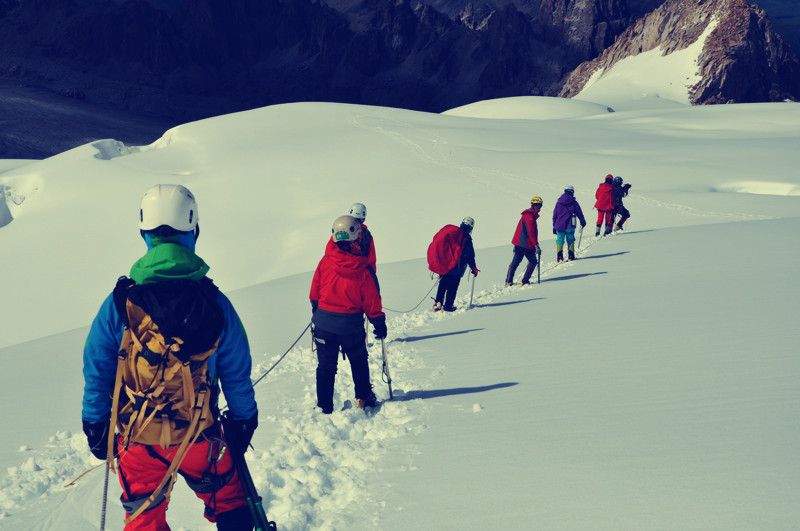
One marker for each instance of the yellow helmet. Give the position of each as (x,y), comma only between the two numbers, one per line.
(536,200)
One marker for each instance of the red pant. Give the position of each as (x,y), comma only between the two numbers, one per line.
(609,216)
(141,469)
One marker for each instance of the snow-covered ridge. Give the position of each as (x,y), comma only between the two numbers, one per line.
(269,182)
(529,108)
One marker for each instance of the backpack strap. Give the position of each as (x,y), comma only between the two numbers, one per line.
(114,410)
(120,295)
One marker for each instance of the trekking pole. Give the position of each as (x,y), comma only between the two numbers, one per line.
(237,455)
(471,292)
(539,267)
(105,498)
(386,368)
(366,333)
(580,235)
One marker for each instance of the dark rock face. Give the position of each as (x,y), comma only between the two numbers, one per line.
(583,27)
(186,59)
(179,60)
(743,59)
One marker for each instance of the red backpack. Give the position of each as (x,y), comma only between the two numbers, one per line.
(445,249)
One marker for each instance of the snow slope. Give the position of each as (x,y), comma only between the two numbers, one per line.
(651,384)
(649,79)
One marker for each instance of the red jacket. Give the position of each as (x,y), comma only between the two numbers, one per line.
(605,197)
(343,285)
(527,233)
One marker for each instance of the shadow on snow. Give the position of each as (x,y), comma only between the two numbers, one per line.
(489,305)
(437,393)
(570,277)
(420,338)
(603,255)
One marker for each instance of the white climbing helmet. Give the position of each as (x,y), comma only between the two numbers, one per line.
(469,222)
(345,229)
(168,204)
(358,211)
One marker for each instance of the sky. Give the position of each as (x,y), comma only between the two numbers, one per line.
(651,383)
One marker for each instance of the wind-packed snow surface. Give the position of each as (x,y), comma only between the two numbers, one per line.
(650,384)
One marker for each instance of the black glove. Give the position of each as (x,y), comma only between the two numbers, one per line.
(583,225)
(554,230)
(243,431)
(97,436)
(379,325)
(314,306)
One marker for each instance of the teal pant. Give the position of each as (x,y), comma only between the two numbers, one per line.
(569,234)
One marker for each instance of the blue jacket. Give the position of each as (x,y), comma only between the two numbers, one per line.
(231,362)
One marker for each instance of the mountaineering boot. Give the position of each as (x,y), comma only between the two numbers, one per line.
(617,227)
(509,284)
(370,401)
(597,232)
(560,256)
(437,306)
(450,308)
(571,255)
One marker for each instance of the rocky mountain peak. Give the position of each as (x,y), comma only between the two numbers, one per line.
(583,27)
(743,59)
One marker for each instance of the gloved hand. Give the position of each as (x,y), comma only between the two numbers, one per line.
(379,326)
(243,431)
(537,249)
(554,230)
(97,436)
(583,225)
(314,306)
(475,271)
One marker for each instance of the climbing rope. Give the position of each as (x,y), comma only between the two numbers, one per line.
(417,306)
(284,354)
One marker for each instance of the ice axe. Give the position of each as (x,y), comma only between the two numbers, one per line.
(472,291)
(539,267)
(386,368)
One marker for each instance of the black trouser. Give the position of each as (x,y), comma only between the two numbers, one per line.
(519,252)
(448,287)
(355,347)
(622,211)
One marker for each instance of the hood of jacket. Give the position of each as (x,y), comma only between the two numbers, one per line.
(566,200)
(530,212)
(344,263)
(168,260)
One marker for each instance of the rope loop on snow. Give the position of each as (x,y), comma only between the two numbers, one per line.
(284,354)
(418,304)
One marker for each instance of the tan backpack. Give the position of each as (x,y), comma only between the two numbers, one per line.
(162,392)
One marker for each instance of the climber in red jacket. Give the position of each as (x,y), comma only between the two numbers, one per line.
(605,205)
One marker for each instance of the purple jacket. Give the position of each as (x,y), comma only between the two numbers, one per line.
(565,207)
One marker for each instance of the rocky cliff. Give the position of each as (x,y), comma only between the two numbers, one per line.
(742,60)
(190,59)
(583,28)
